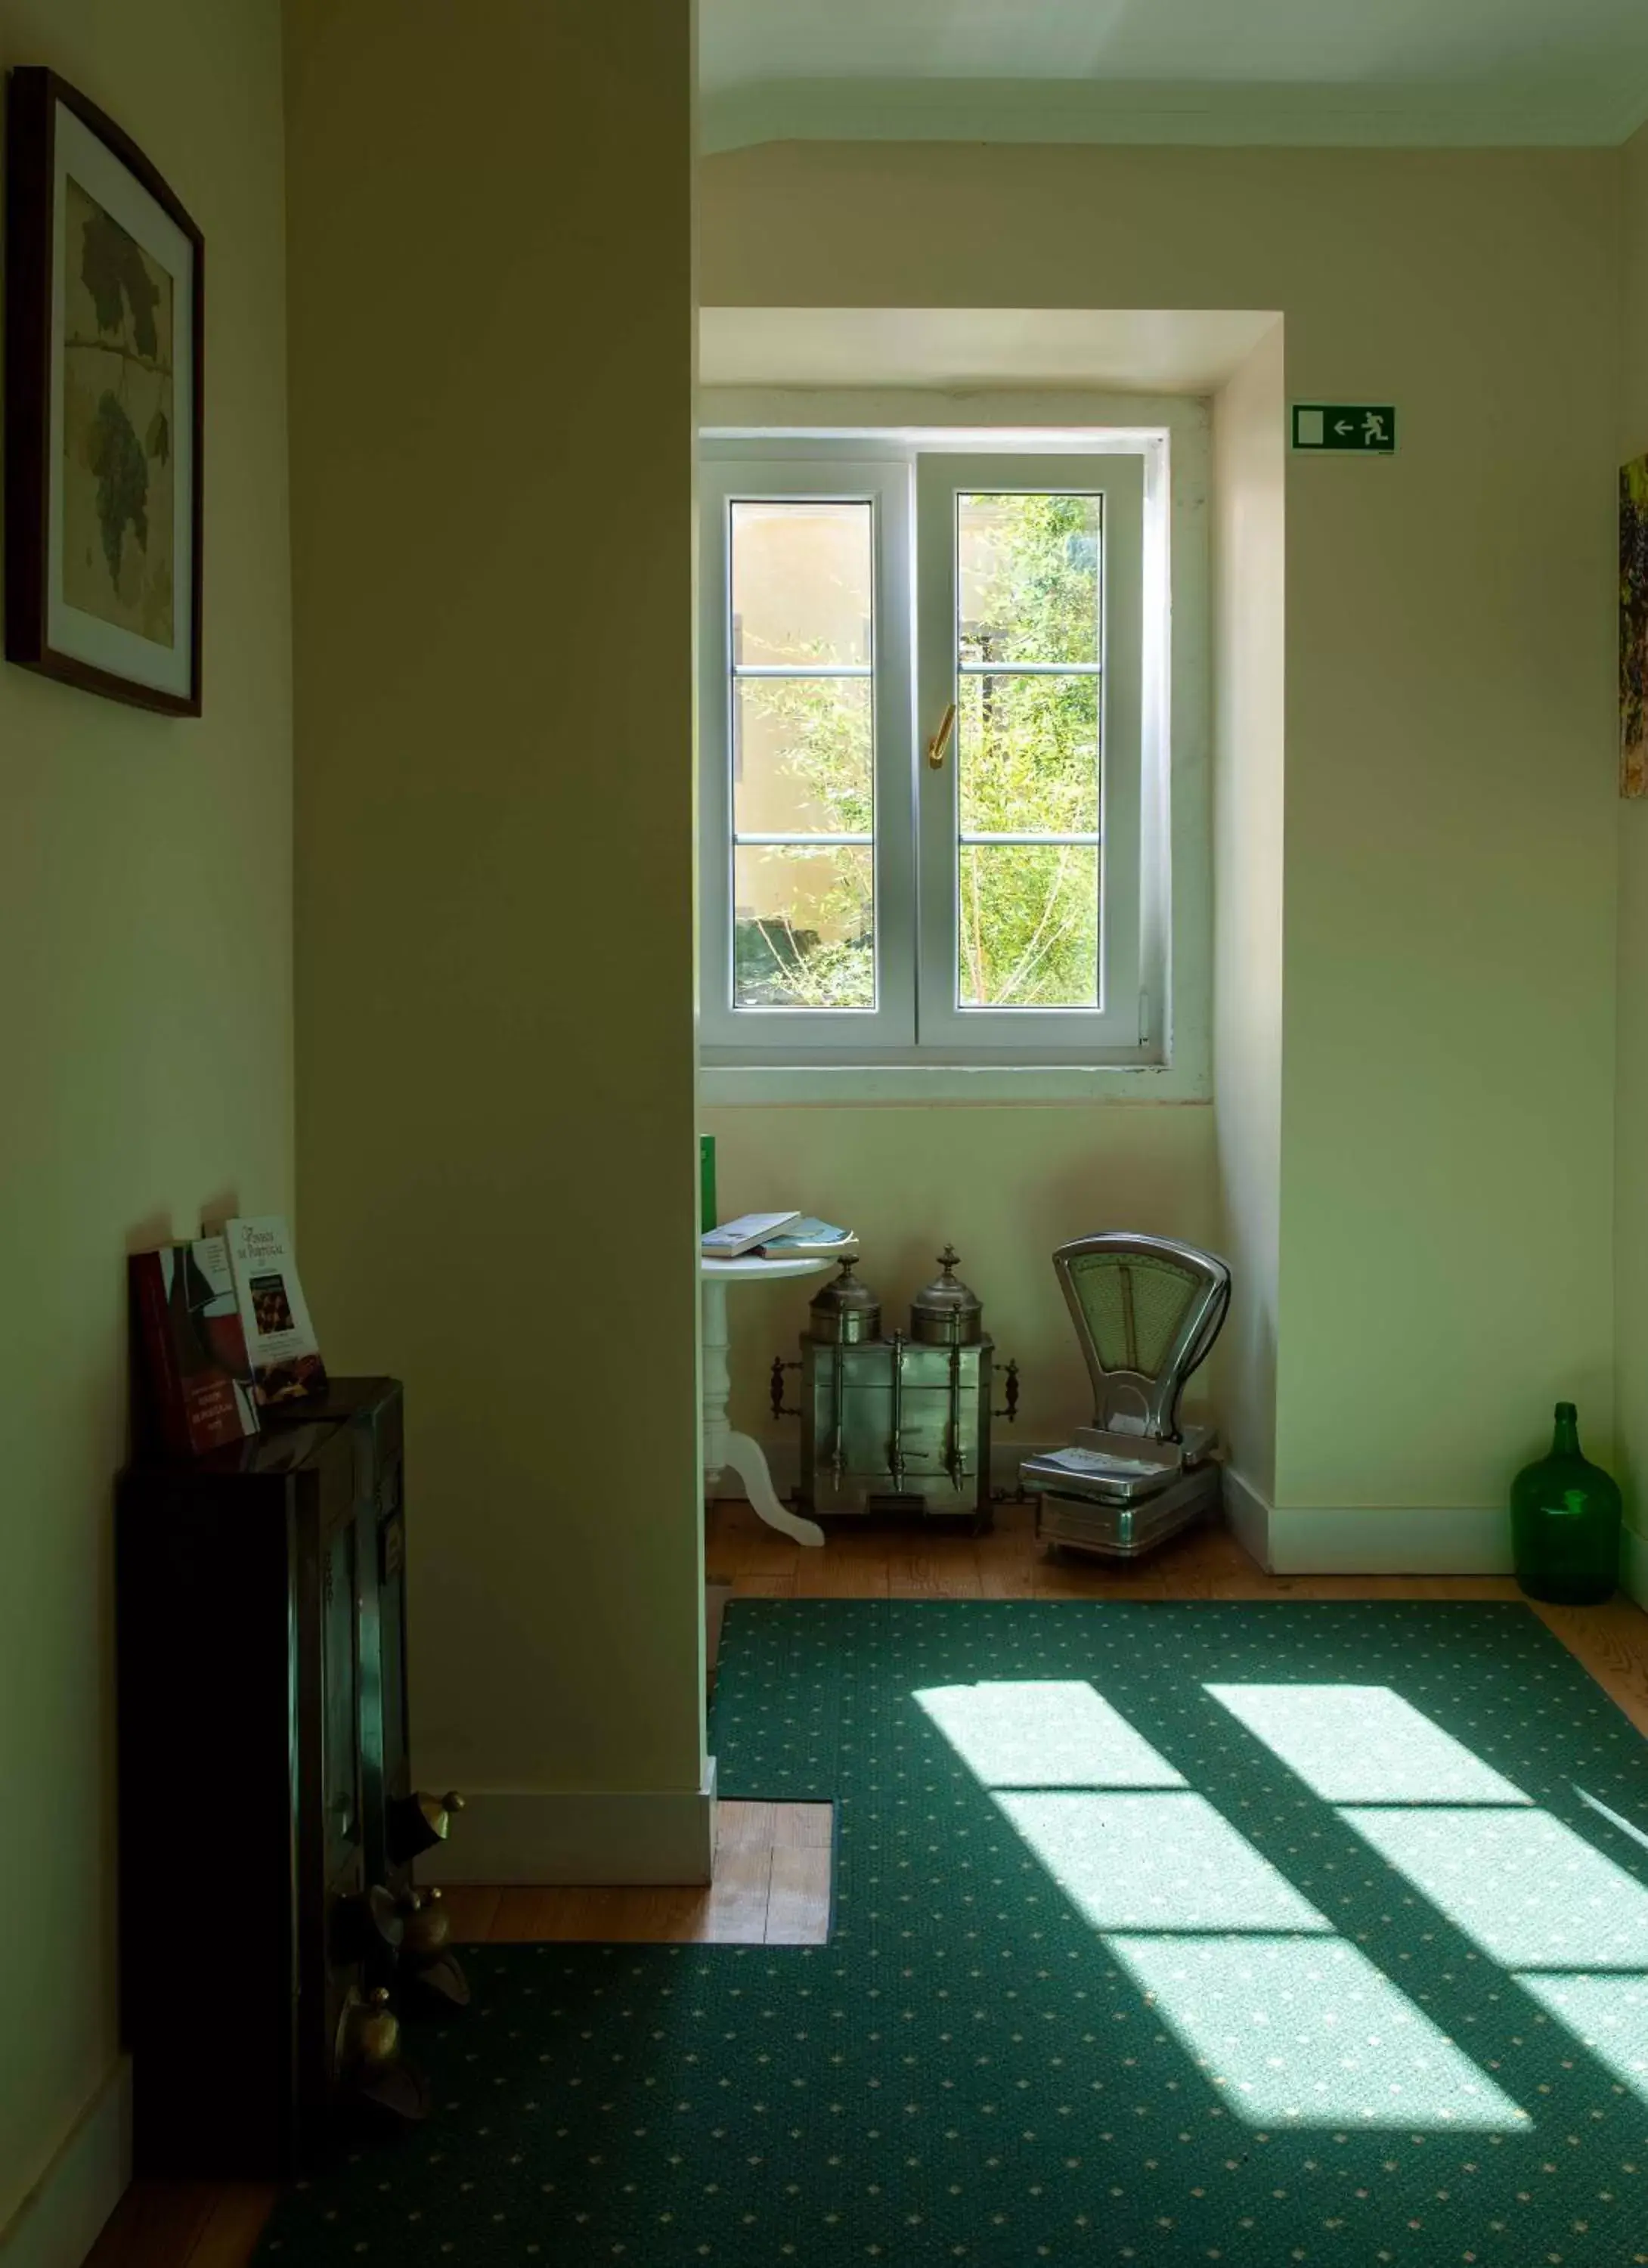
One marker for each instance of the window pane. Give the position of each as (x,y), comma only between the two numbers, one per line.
(802,583)
(1028,580)
(804,933)
(1029,926)
(1029,754)
(803,764)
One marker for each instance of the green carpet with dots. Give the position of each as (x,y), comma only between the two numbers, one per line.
(1162,1932)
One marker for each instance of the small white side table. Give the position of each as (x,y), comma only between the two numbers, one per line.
(721,1447)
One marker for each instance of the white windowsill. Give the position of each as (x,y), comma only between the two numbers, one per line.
(949,1083)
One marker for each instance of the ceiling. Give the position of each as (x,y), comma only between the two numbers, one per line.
(1387,72)
(1128,350)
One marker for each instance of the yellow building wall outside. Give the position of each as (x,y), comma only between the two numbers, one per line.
(1448,1021)
(145,928)
(1631,1180)
(492,363)
(800,580)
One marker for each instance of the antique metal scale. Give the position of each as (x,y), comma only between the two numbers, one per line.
(901,1424)
(1146,1311)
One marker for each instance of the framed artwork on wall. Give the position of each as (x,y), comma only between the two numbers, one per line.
(105,298)
(1633,628)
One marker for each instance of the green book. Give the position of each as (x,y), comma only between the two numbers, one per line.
(706,1184)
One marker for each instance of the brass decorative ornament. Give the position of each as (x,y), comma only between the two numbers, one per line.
(425,1925)
(368,2034)
(418,1822)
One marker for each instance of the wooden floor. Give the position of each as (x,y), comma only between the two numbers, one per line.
(771,1887)
(165,2224)
(772,1884)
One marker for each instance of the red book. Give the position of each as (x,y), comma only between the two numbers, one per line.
(194,1348)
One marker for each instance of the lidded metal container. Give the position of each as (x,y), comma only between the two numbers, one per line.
(846,1313)
(946,1313)
(898,1424)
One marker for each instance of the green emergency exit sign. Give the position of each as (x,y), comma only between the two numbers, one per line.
(1367,429)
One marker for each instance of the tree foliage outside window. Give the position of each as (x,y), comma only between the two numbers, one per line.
(1028,753)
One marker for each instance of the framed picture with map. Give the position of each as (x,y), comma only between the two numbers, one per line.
(105,292)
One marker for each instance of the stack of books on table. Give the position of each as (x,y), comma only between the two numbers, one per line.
(779,1236)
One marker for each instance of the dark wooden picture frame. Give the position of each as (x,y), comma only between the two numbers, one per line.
(35,611)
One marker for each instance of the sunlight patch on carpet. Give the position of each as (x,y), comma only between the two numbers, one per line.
(1157,1862)
(1363,1744)
(1607,2014)
(1044,1732)
(1309,2031)
(1524,1887)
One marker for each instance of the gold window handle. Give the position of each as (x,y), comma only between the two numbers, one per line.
(940,741)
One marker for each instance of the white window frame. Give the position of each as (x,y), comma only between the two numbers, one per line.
(910,480)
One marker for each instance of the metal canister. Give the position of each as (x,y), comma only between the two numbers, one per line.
(845,1313)
(946,1313)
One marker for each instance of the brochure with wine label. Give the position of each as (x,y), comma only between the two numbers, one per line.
(200,1391)
(286,1365)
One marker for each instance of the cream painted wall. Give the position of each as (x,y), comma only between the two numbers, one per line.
(1448,948)
(145,907)
(1004,1182)
(1249,577)
(1631,1183)
(492,343)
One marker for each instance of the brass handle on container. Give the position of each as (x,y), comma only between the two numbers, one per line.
(1009,1408)
(941,740)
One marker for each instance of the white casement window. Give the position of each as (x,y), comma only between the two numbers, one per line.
(925,831)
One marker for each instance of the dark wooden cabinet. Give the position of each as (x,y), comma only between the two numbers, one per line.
(271,1935)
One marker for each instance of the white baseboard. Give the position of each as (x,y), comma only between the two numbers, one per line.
(59,2220)
(1287,1540)
(1634,1566)
(1247,1515)
(579,1836)
(1369,1540)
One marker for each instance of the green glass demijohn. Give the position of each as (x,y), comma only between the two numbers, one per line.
(1565,1522)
